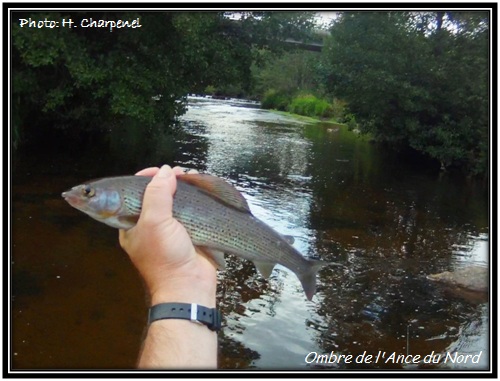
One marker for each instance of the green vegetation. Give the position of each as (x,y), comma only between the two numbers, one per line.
(290,82)
(416,79)
(275,100)
(85,79)
(412,79)
(305,104)
(309,105)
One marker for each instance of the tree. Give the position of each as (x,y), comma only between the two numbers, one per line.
(288,73)
(416,79)
(84,78)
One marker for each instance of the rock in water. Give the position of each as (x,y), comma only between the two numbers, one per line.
(473,278)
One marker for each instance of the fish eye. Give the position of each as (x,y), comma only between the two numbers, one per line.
(88,191)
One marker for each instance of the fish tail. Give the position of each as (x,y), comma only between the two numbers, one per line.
(308,278)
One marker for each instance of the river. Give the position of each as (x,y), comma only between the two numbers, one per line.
(385,222)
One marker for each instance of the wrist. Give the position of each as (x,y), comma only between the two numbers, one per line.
(189,294)
(193,312)
(191,288)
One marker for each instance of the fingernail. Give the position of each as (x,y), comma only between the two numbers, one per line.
(165,171)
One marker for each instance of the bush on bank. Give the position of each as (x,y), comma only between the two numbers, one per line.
(305,104)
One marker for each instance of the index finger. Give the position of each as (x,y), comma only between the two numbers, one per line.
(151,171)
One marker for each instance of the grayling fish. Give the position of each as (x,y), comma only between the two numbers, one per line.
(214,213)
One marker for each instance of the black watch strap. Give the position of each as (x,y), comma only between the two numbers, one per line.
(211,317)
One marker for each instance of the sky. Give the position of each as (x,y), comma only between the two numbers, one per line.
(326,17)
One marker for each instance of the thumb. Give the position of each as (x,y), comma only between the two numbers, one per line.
(158,197)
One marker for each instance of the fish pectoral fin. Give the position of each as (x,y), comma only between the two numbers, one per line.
(289,239)
(215,255)
(265,268)
(129,221)
(218,188)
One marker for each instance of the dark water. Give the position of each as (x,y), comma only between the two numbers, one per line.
(77,302)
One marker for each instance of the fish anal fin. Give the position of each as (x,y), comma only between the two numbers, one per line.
(218,188)
(265,268)
(216,256)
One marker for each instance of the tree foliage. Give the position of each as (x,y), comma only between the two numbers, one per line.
(85,77)
(417,79)
(287,73)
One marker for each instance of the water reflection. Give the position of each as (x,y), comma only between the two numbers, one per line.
(345,201)
(386,223)
(255,143)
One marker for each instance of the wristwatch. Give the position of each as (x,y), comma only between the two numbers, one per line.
(211,317)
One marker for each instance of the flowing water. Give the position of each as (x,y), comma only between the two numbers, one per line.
(77,302)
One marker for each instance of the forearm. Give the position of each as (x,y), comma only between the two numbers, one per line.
(177,343)
(173,272)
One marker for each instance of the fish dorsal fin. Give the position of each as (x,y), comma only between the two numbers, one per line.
(217,188)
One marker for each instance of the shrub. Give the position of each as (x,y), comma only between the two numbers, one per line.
(274,100)
(309,105)
(339,109)
(350,120)
(210,90)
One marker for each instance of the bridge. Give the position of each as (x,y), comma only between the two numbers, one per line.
(315,46)
(234,26)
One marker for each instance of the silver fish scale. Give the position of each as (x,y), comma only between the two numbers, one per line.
(211,224)
(132,188)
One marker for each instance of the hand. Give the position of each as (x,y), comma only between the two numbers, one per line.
(161,249)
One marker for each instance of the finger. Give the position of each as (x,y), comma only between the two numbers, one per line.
(151,171)
(158,198)
(178,170)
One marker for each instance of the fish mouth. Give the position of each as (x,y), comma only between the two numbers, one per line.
(71,198)
(68,195)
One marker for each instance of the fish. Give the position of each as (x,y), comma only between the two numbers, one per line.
(214,213)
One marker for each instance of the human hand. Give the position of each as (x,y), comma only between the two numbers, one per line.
(161,249)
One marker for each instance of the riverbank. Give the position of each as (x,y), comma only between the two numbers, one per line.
(307,119)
